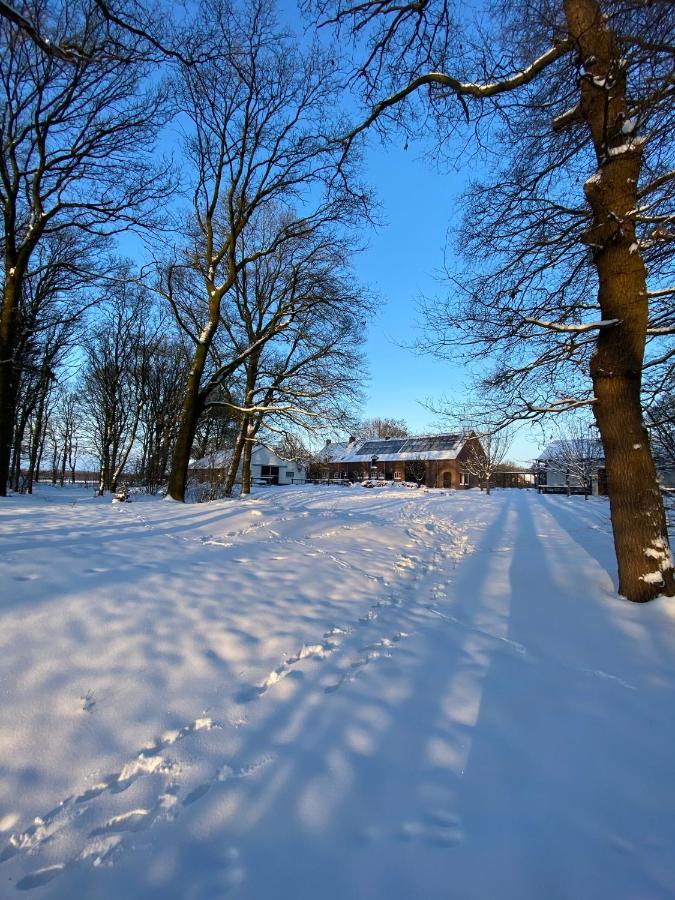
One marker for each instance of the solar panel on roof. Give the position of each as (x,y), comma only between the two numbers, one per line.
(374,448)
(432,444)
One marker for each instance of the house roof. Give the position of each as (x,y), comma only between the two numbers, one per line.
(334,452)
(590,448)
(408,449)
(221,459)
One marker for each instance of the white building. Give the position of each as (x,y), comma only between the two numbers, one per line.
(567,464)
(570,465)
(266,467)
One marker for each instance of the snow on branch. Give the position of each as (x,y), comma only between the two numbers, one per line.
(462,88)
(558,406)
(570,117)
(575,329)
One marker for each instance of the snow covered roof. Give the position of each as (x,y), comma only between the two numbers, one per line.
(334,452)
(590,448)
(424,447)
(221,459)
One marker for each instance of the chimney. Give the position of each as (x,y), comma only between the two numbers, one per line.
(352,439)
(327,442)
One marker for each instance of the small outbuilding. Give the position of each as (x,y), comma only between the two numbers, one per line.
(267,467)
(571,467)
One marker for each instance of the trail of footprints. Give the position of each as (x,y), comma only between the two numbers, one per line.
(440,828)
(105,842)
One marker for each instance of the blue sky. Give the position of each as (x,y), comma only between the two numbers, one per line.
(402,263)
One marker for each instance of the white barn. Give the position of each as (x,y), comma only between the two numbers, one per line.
(266,467)
(560,466)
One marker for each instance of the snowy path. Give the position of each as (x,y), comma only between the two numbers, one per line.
(330,692)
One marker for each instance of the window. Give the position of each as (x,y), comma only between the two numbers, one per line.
(397,474)
(463,479)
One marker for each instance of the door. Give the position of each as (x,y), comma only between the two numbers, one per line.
(270,474)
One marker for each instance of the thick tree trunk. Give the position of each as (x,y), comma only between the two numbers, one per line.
(193,404)
(41,449)
(55,455)
(64,459)
(104,468)
(19,434)
(121,463)
(35,442)
(244,430)
(236,459)
(8,379)
(72,461)
(638,517)
(246,458)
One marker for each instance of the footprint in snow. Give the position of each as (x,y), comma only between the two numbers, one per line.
(439,828)
(216,877)
(381,648)
(147,762)
(39,877)
(226,773)
(132,821)
(307,651)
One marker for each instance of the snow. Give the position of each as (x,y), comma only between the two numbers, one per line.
(563,449)
(652,578)
(359,452)
(629,146)
(324,693)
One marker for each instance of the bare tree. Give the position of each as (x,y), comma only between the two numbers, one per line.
(77,141)
(307,375)
(486,454)
(577,455)
(119,350)
(67,424)
(258,148)
(40,399)
(382,428)
(564,91)
(155,36)
(53,301)
(661,424)
(417,470)
(165,376)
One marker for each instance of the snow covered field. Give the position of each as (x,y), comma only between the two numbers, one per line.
(330,693)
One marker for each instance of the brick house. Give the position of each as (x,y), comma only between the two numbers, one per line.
(435,460)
